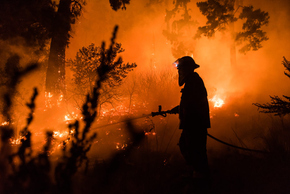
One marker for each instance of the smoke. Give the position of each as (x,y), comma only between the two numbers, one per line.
(257,75)
(141,35)
(154,82)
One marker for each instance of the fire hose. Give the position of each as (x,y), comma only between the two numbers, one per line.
(164,114)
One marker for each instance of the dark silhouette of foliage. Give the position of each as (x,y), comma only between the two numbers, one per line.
(32,174)
(67,13)
(85,67)
(87,62)
(176,27)
(119,158)
(81,145)
(286,64)
(117,4)
(218,13)
(35,20)
(6,132)
(252,33)
(221,13)
(32,20)
(10,69)
(8,74)
(34,23)
(76,9)
(278,106)
(12,75)
(38,22)
(70,163)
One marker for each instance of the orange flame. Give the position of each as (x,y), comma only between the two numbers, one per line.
(57,134)
(70,117)
(4,123)
(218,102)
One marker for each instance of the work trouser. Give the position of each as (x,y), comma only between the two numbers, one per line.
(192,144)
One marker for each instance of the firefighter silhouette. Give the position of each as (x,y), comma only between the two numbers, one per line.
(194,116)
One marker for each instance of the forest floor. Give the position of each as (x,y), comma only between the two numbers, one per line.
(147,172)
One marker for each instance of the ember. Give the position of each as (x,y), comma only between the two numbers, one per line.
(48,97)
(60,98)
(121,146)
(150,133)
(16,141)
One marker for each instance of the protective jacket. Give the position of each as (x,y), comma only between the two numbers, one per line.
(194,108)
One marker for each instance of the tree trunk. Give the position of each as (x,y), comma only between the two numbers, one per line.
(233,55)
(55,75)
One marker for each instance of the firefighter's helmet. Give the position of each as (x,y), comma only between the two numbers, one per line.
(186,62)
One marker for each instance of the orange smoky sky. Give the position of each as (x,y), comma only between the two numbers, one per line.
(140,32)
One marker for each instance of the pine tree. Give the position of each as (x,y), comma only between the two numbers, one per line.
(221,16)
(178,25)
(67,13)
(85,67)
(117,4)
(278,106)
(30,20)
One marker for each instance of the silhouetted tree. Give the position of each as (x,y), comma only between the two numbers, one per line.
(32,173)
(80,145)
(39,22)
(278,106)
(117,4)
(85,67)
(8,74)
(178,29)
(30,20)
(220,16)
(11,76)
(67,13)
(7,131)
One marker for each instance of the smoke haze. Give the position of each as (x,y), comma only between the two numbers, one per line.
(257,75)
(140,32)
